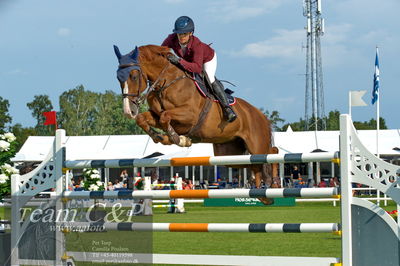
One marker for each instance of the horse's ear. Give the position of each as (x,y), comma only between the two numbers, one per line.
(117,52)
(135,54)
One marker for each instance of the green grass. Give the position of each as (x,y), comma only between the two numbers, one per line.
(256,244)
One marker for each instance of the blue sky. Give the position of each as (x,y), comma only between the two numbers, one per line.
(49,46)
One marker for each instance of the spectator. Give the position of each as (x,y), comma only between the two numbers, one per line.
(71,186)
(188,185)
(117,185)
(275,182)
(355,185)
(322,183)
(124,176)
(295,175)
(288,181)
(154,176)
(110,186)
(334,182)
(221,184)
(235,183)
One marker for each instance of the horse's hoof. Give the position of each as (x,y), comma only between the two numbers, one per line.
(184,141)
(266,201)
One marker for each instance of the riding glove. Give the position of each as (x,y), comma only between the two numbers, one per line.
(174,59)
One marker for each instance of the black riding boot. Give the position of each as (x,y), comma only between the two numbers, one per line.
(219,93)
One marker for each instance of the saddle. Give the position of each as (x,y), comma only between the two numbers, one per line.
(205,88)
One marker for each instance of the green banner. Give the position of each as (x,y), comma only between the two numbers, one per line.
(237,202)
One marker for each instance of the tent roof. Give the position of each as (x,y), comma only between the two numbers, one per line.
(36,148)
(106,147)
(308,141)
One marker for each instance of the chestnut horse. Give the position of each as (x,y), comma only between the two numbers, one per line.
(176,107)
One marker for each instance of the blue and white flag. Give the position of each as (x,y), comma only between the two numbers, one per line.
(375,90)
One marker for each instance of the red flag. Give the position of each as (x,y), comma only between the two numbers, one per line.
(51,118)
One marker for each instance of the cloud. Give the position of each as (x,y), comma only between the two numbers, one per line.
(286,44)
(284,101)
(236,10)
(174,1)
(337,34)
(340,44)
(63,32)
(16,71)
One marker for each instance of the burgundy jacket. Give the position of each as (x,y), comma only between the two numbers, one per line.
(197,52)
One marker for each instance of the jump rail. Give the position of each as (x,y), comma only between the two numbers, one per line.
(203,193)
(164,185)
(211,160)
(165,206)
(208,227)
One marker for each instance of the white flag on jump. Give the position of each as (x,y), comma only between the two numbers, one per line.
(356,98)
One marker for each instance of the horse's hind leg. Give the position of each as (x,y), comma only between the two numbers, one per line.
(258,172)
(262,172)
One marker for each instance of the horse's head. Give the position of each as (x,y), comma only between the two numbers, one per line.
(131,79)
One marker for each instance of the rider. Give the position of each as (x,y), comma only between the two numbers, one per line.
(195,56)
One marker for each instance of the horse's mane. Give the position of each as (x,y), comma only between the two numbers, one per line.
(148,51)
(156,53)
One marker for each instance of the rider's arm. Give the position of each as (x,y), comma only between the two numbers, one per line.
(196,65)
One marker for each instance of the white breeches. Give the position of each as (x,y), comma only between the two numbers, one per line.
(210,68)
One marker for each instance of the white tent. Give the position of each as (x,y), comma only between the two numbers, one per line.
(309,141)
(138,146)
(36,148)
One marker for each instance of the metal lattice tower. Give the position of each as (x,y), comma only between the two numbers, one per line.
(314,91)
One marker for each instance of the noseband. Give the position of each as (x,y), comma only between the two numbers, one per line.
(136,66)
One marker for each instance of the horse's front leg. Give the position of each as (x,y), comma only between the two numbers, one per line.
(148,121)
(183,116)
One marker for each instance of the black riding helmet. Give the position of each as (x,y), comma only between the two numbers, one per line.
(183,24)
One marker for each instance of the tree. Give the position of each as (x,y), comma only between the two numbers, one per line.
(77,109)
(109,118)
(275,119)
(5,117)
(371,124)
(22,133)
(333,120)
(296,126)
(40,104)
(84,112)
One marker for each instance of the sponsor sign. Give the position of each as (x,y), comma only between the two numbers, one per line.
(237,202)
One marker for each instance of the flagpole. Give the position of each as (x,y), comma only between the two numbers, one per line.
(350,104)
(377,102)
(377,125)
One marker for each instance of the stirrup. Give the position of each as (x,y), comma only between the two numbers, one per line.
(229,114)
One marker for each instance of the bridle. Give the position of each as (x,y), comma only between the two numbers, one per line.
(135,66)
(148,89)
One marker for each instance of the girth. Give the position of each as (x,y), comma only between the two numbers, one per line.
(202,117)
